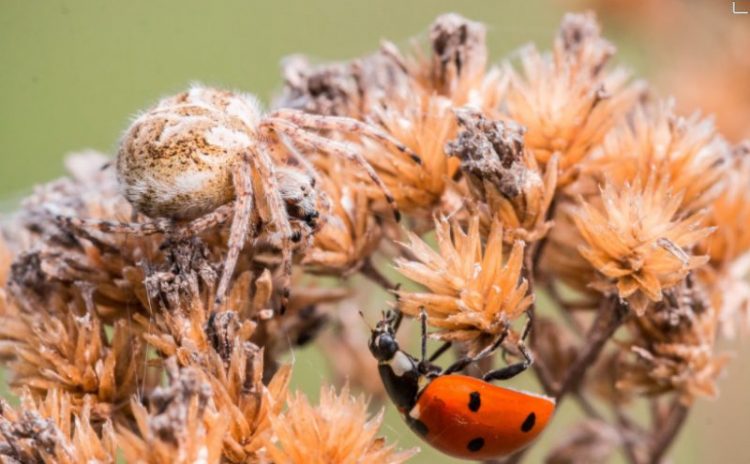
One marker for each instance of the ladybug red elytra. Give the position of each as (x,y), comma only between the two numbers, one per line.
(461,416)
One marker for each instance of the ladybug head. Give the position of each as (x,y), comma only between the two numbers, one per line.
(383,344)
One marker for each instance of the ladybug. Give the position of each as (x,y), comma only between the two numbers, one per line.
(461,416)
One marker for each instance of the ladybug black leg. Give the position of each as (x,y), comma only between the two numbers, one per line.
(513,370)
(423,323)
(527,326)
(464,361)
(397,318)
(439,352)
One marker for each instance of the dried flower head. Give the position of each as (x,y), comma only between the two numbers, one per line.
(458,59)
(568,101)
(472,290)
(656,142)
(337,431)
(178,426)
(637,241)
(351,232)
(53,347)
(673,348)
(425,123)
(730,211)
(502,176)
(50,431)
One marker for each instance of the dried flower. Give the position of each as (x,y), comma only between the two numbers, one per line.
(49,431)
(686,152)
(568,102)
(456,66)
(424,123)
(637,242)
(55,348)
(179,426)
(673,348)
(351,233)
(730,211)
(472,291)
(337,431)
(502,175)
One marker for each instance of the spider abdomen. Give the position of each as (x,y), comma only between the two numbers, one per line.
(176,160)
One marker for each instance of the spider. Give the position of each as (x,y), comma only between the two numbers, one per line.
(200,157)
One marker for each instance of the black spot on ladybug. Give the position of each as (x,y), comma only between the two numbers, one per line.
(418,426)
(528,424)
(475,401)
(475,444)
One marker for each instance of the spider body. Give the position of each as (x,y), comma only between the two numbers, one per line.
(461,416)
(201,157)
(176,160)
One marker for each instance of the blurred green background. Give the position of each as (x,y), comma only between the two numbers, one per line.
(73,73)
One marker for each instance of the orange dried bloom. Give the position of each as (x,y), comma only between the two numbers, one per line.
(637,241)
(49,430)
(687,152)
(673,348)
(179,425)
(568,101)
(424,123)
(457,63)
(502,176)
(730,211)
(61,350)
(729,245)
(472,290)
(337,431)
(351,233)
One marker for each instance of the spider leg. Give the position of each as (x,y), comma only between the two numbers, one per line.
(274,208)
(243,206)
(157,226)
(215,218)
(343,124)
(307,139)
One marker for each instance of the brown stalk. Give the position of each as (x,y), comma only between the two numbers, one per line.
(612,313)
(610,317)
(667,431)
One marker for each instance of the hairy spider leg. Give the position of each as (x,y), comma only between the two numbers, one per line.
(313,141)
(343,124)
(243,207)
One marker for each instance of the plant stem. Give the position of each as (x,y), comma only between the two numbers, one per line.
(609,318)
(668,431)
(369,270)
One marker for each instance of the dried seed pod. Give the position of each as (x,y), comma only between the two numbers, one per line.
(639,244)
(502,176)
(338,430)
(568,101)
(473,291)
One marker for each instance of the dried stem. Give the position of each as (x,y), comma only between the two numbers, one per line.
(373,273)
(540,368)
(610,317)
(668,430)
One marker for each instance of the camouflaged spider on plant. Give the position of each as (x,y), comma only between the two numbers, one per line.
(199,157)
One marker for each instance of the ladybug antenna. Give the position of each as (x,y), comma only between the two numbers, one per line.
(365,320)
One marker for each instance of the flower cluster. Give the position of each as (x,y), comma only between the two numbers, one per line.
(556,185)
